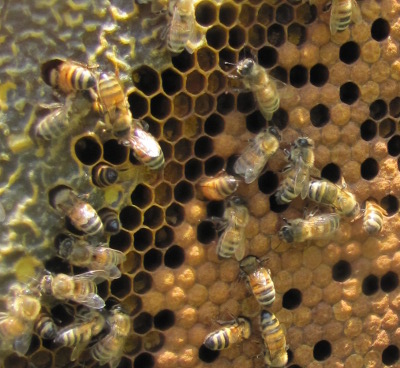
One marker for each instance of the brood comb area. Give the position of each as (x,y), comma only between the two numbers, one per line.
(338,299)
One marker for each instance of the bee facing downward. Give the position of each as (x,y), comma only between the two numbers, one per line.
(342,12)
(373,217)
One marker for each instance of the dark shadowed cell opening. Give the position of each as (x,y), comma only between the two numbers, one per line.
(368,130)
(215,209)
(394,107)
(183,149)
(172,130)
(87,150)
(184,192)
(237,37)
(138,105)
(183,62)
(153,217)
(152,260)
(319,75)
(214,125)
(292,299)
(390,203)
(227,14)
(322,350)
(216,37)
(227,60)
(206,13)
(370,285)
(275,207)
(284,14)
(164,236)
(160,106)
(255,122)
(267,56)
(193,169)
(349,52)
(203,147)
(387,127)
(56,265)
(341,271)
(142,282)
(280,119)
(144,360)
(121,287)
(163,194)
(369,169)
(62,315)
(195,82)
(268,182)
(164,319)
(146,80)
(204,104)
(206,355)
(331,172)
(174,257)
(349,93)
(171,81)
(225,103)
(206,232)
(279,73)
(394,145)
(141,196)
(142,239)
(256,36)
(389,282)
(319,115)
(130,217)
(115,153)
(265,14)
(378,109)
(206,59)
(175,214)
(245,102)
(213,165)
(298,76)
(143,323)
(121,241)
(230,162)
(380,29)
(276,35)
(390,355)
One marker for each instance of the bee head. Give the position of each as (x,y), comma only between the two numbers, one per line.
(286,234)
(122,125)
(274,131)
(304,142)
(248,264)
(65,247)
(245,67)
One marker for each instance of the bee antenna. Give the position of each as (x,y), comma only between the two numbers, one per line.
(228,63)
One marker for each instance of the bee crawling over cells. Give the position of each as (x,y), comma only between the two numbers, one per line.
(81,288)
(82,215)
(110,220)
(231,333)
(110,348)
(373,217)
(104,175)
(302,151)
(217,188)
(256,155)
(81,253)
(55,123)
(313,227)
(88,324)
(275,354)
(342,12)
(259,280)
(45,327)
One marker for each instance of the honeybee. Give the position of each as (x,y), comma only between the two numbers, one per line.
(82,215)
(233,332)
(110,220)
(261,84)
(302,151)
(145,148)
(53,124)
(104,175)
(256,155)
(313,227)
(79,288)
(259,280)
(235,220)
(275,354)
(342,12)
(346,204)
(373,217)
(217,188)
(89,323)
(110,348)
(81,253)
(67,76)
(45,327)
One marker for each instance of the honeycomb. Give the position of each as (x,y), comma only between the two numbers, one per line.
(338,300)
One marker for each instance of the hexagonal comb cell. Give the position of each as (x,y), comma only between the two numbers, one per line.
(146,80)
(228,13)
(206,13)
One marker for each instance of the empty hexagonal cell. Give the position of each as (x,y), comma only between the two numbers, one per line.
(216,82)
(322,350)
(173,172)
(203,147)
(380,29)
(130,218)
(213,165)
(182,105)
(204,104)
(146,79)
(216,37)
(341,271)
(206,232)
(298,76)
(132,263)
(142,282)
(280,119)
(121,241)
(268,182)
(160,106)
(368,130)
(237,37)
(142,196)
(193,169)
(43,358)
(370,285)
(276,35)
(167,149)
(142,239)
(171,81)
(114,152)
(394,145)
(378,109)
(183,149)
(255,122)
(256,36)
(390,355)
(184,192)
(349,52)
(227,59)
(153,217)
(390,204)
(183,62)
(175,214)
(265,14)
(174,256)
(292,299)
(88,150)
(331,172)
(16,361)
(138,104)
(195,82)
(163,194)
(387,127)
(225,103)
(206,355)
(164,319)
(206,13)
(389,282)
(152,260)
(394,107)
(284,14)
(206,59)
(228,13)
(214,125)
(245,102)
(144,360)
(319,75)
(165,235)
(267,56)
(319,115)
(172,129)
(121,287)
(153,341)
(349,93)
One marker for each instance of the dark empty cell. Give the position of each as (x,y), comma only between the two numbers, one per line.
(349,52)
(378,109)
(144,360)
(215,209)
(306,13)
(142,239)
(394,107)
(206,13)
(172,130)
(255,122)
(227,14)
(184,192)
(265,14)
(195,82)
(206,355)
(193,169)
(60,313)
(121,287)
(171,81)
(245,102)
(380,29)
(341,271)
(280,119)
(87,150)
(279,73)
(121,241)
(216,82)
(276,35)
(153,217)
(146,80)
(230,162)
(297,34)
(152,342)
(166,148)
(183,149)
(389,282)
(203,147)
(164,319)
(370,285)
(115,153)
(267,56)
(41,358)
(204,104)
(16,361)
(275,207)
(173,172)
(165,236)
(291,299)
(284,14)
(216,37)
(390,355)
(138,105)
(213,165)
(206,59)
(153,127)
(183,62)
(331,172)
(349,93)
(160,106)
(319,115)
(319,75)
(225,103)
(182,105)
(368,130)
(322,350)
(369,169)
(174,257)
(256,36)
(394,145)
(206,232)
(237,37)
(227,59)
(298,76)
(130,217)
(132,263)
(152,260)
(142,282)
(390,204)
(141,196)
(268,182)
(143,323)
(214,125)
(174,214)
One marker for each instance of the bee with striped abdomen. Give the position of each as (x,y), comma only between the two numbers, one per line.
(217,188)
(54,124)
(233,332)
(259,280)
(104,175)
(275,354)
(45,327)
(373,217)
(342,12)
(302,151)
(110,220)
(256,155)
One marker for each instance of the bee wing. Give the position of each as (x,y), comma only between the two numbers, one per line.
(240,251)
(115,273)
(115,361)
(355,12)
(145,142)
(91,300)
(333,19)
(78,349)
(302,178)
(22,343)
(97,275)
